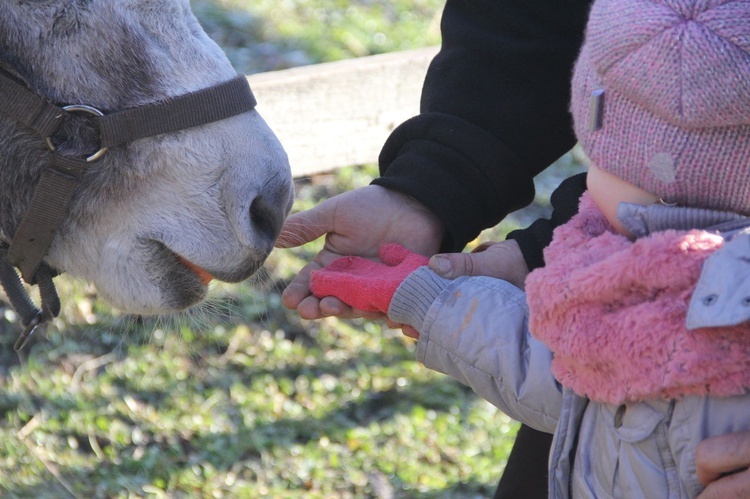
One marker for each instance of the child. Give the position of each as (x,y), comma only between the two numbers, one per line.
(640,312)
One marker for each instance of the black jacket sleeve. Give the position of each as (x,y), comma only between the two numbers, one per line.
(537,236)
(494,112)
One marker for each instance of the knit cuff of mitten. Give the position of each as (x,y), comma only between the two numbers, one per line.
(415,296)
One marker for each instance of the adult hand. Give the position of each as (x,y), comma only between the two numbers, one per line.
(722,466)
(502,260)
(355,223)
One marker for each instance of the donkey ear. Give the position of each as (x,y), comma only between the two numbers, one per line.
(722,295)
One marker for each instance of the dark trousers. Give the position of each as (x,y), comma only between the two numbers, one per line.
(525,475)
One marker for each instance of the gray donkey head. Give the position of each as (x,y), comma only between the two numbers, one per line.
(152,220)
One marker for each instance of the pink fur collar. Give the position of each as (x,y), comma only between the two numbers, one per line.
(613,313)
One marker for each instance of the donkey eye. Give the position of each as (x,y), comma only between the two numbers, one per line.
(746,301)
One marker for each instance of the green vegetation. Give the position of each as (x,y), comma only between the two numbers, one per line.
(240,397)
(262,35)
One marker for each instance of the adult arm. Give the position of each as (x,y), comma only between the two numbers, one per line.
(722,465)
(494,112)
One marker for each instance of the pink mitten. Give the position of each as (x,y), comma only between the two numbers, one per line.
(364,284)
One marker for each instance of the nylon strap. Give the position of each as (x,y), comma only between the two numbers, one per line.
(47,210)
(24,106)
(31,317)
(185,111)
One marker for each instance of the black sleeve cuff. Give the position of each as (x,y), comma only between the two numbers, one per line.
(463,174)
(533,239)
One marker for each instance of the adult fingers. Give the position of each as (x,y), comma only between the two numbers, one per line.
(305,226)
(736,486)
(309,308)
(313,308)
(410,332)
(724,458)
(407,330)
(369,314)
(297,296)
(299,288)
(332,306)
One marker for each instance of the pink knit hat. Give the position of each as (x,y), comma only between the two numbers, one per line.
(661,98)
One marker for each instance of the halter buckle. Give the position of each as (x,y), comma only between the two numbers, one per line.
(83,108)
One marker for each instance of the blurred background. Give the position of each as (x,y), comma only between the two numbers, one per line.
(240,397)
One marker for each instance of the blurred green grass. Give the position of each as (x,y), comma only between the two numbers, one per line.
(239,397)
(263,35)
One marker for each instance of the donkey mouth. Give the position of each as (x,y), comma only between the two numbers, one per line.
(181,286)
(172,262)
(182,282)
(203,275)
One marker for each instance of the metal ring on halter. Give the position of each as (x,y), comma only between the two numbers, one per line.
(85,109)
(28,331)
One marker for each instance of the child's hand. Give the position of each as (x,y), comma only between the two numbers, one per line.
(365,284)
(502,260)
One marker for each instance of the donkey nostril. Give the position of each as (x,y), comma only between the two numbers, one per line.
(266,217)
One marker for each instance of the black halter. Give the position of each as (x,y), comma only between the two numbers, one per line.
(62,174)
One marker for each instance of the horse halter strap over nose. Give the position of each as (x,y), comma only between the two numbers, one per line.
(58,181)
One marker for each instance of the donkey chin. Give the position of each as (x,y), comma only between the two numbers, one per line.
(147,277)
(166,283)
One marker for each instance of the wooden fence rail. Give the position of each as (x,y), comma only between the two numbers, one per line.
(339,114)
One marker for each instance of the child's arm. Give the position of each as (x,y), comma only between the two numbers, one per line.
(473,329)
